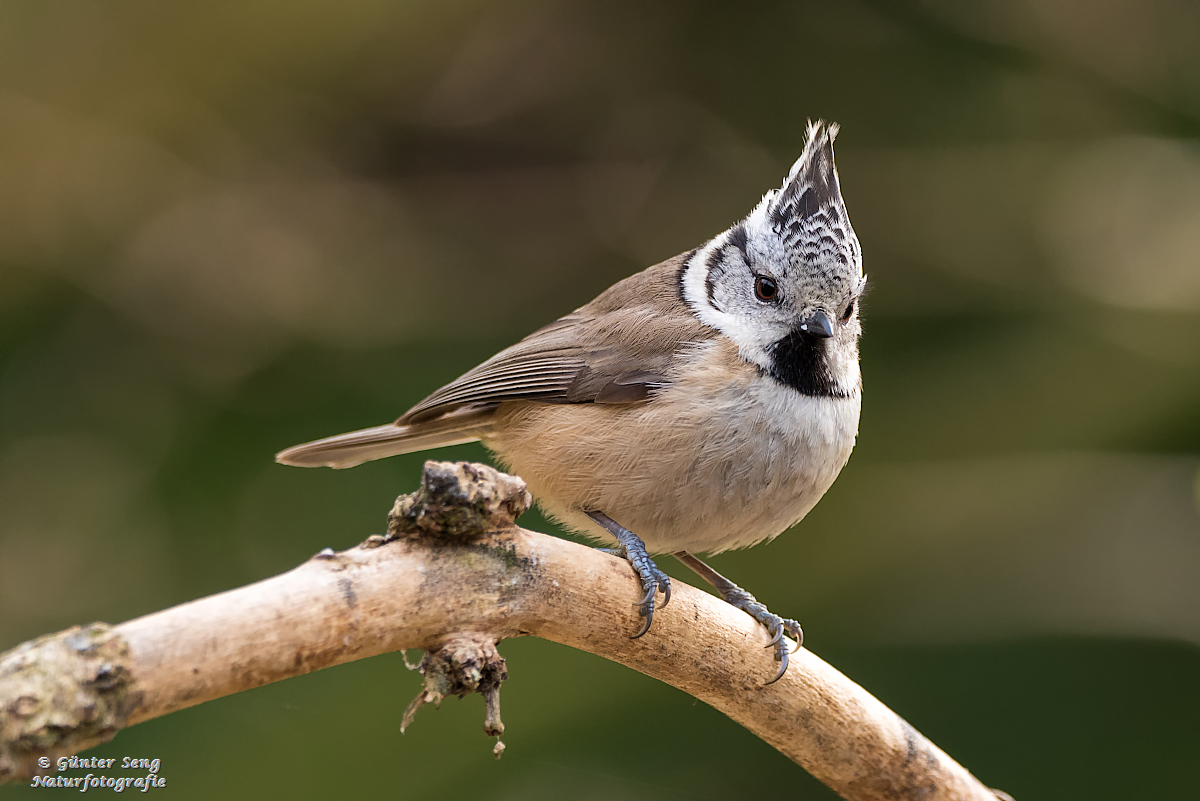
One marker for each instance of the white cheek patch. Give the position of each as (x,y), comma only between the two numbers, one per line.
(751,340)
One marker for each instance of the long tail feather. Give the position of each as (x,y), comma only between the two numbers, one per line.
(356,447)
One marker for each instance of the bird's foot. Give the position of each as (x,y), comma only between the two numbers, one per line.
(734,595)
(633,550)
(775,625)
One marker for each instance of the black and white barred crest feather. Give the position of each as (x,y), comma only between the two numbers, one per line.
(807,213)
(811,183)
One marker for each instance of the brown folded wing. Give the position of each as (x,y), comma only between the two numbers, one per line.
(620,348)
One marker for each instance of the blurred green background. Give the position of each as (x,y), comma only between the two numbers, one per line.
(229,227)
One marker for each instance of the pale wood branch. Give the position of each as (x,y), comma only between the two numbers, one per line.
(454,576)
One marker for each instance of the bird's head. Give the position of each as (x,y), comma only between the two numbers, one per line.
(784,283)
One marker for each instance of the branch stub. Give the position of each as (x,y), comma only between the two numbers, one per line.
(459,500)
(461,665)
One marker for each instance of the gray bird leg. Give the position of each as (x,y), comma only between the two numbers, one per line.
(775,625)
(633,550)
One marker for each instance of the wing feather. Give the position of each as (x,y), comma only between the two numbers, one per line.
(619,348)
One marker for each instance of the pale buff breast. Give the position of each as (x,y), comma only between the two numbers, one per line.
(724,458)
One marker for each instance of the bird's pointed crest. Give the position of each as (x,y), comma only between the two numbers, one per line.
(805,220)
(811,184)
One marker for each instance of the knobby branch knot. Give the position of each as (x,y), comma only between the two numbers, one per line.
(459,500)
(63,692)
(461,665)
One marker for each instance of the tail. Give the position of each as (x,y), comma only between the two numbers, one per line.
(356,447)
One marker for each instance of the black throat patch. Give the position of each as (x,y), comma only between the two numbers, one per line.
(801,361)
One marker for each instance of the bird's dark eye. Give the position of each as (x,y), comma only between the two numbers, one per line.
(848,312)
(765,289)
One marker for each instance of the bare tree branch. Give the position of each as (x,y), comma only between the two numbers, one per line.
(454,576)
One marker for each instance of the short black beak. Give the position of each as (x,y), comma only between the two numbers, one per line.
(818,326)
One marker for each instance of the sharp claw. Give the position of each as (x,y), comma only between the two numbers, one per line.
(798,633)
(783,659)
(646,626)
(648,598)
(778,636)
(666,585)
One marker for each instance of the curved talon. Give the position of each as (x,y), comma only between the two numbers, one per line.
(778,636)
(783,666)
(795,630)
(648,598)
(666,587)
(649,613)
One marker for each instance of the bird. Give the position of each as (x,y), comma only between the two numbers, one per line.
(703,404)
